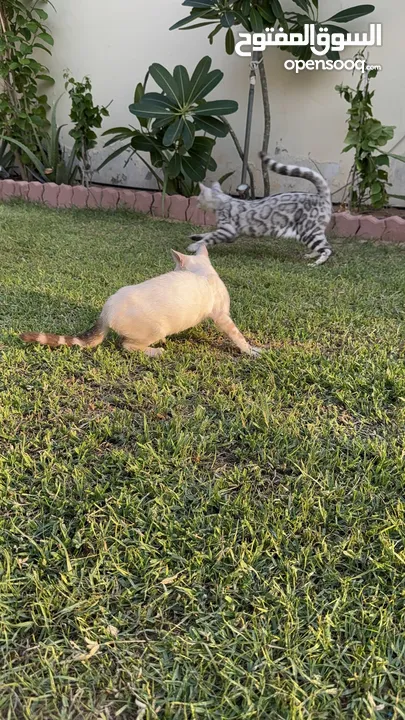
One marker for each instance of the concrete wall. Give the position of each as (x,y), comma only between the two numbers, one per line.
(115,43)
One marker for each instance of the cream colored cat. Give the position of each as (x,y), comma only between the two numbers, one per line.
(147,313)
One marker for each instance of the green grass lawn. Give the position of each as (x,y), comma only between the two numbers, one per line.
(202,535)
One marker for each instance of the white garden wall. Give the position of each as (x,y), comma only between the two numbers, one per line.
(115,43)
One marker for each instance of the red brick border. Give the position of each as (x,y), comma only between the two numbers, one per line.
(176,207)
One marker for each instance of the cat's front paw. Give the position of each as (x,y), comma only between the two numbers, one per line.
(196,237)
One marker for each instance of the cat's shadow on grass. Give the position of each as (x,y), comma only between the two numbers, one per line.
(251,250)
(30,310)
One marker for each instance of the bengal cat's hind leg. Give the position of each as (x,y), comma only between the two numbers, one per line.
(319,247)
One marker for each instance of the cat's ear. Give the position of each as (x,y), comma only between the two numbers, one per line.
(216,187)
(179,259)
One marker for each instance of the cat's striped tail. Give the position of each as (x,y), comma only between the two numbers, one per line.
(90,338)
(301,172)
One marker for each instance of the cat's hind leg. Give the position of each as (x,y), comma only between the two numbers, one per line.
(319,247)
(223,234)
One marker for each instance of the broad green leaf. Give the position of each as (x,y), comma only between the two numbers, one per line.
(303,4)
(118,131)
(152,105)
(202,148)
(143,143)
(173,132)
(230,42)
(156,158)
(199,25)
(42,47)
(115,139)
(199,3)
(189,19)
(352,13)
(267,14)
(193,168)
(211,125)
(203,144)
(46,78)
(165,80)
(162,122)
(149,111)
(226,176)
(256,21)
(217,107)
(139,93)
(182,79)
(206,85)
(188,132)
(174,166)
(277,10)
(33,26)
(198,77)
(214,32)
(382,160)
(41,13)
(227,19)
(46,38)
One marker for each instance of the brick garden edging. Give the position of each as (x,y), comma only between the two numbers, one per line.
(176,207)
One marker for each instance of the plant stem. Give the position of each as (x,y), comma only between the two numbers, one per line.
(267,123)
(240,153)
(351,184)
(249,115)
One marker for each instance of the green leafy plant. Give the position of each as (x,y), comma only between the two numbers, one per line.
(85,116)
(169,125)
(22,106)
(7,159)
(50,162)
(255,16)
(368,181)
